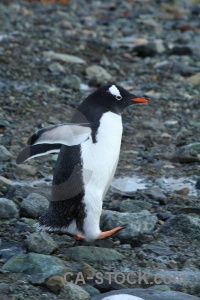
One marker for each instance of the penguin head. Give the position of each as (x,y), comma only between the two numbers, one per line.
(114,98)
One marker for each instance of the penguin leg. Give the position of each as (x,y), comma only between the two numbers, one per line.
(108,233)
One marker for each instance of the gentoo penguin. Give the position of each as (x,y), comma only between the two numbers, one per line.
(88,149)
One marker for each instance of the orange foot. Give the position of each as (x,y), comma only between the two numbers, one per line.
(102,235)
(105,234)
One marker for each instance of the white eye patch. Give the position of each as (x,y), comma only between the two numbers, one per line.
(115,92)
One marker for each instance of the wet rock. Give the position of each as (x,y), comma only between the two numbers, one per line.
(10,249)
(72,82)
(41,242)
(136,223)
(99,74)
(4,154)
(55,284)
(8,209)
(5,181)
(63,57)
(134,205)
(36,264)
(156,193)
(56,68)
(34,205)
(145,294)
(26,170)
(195,79)
(89,253)
(74,292)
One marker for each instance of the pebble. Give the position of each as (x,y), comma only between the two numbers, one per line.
(56,68)
(5,181)
(99,74)
(55,284)
(26,170)
(74,292)
(41,242)
(8,209)
(34,206)
(72,82)
(195,79)
(134,205)
(89,253)
(156,193)
(63,57)
(4,154)
(184,191)
(146,50)
(136,223)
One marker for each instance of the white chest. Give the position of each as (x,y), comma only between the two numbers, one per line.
(100,159)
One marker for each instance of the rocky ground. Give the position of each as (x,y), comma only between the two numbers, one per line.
(51,57)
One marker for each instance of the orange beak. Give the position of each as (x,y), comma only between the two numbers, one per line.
(140,100)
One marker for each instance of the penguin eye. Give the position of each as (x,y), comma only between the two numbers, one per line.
(118,97)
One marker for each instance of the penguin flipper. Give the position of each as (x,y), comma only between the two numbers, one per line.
(37,150)
(65,134)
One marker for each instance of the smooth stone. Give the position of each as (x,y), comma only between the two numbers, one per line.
(34,205)
(4,154)
(195,79)
(8,209)
(41,242)
(5,181)
(89,253)
(91,290)
(64,57)
(36,264)
(98,73)
(72,82)
(135,223)
(55,283)
(74,292)
(27,170)
(56,68)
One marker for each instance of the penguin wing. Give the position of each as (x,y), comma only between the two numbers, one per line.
(50,140)
(65,134)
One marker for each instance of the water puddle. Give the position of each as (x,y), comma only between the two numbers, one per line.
(128,185)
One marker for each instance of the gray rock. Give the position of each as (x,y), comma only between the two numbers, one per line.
(99,74)
(41,242)
(5,181)
(63,57)
(182,225)
(91,290)
(36,264)
(4,153)
(156,193)
(56,67)
(195,79)
(34,205)
(8,209)
(72,82)
(88,253)
(136,223)
(27,170)
(4,288)
(134,205)
(146,294)
(74,292)
(10,249)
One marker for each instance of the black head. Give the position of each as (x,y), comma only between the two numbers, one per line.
(113,98)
